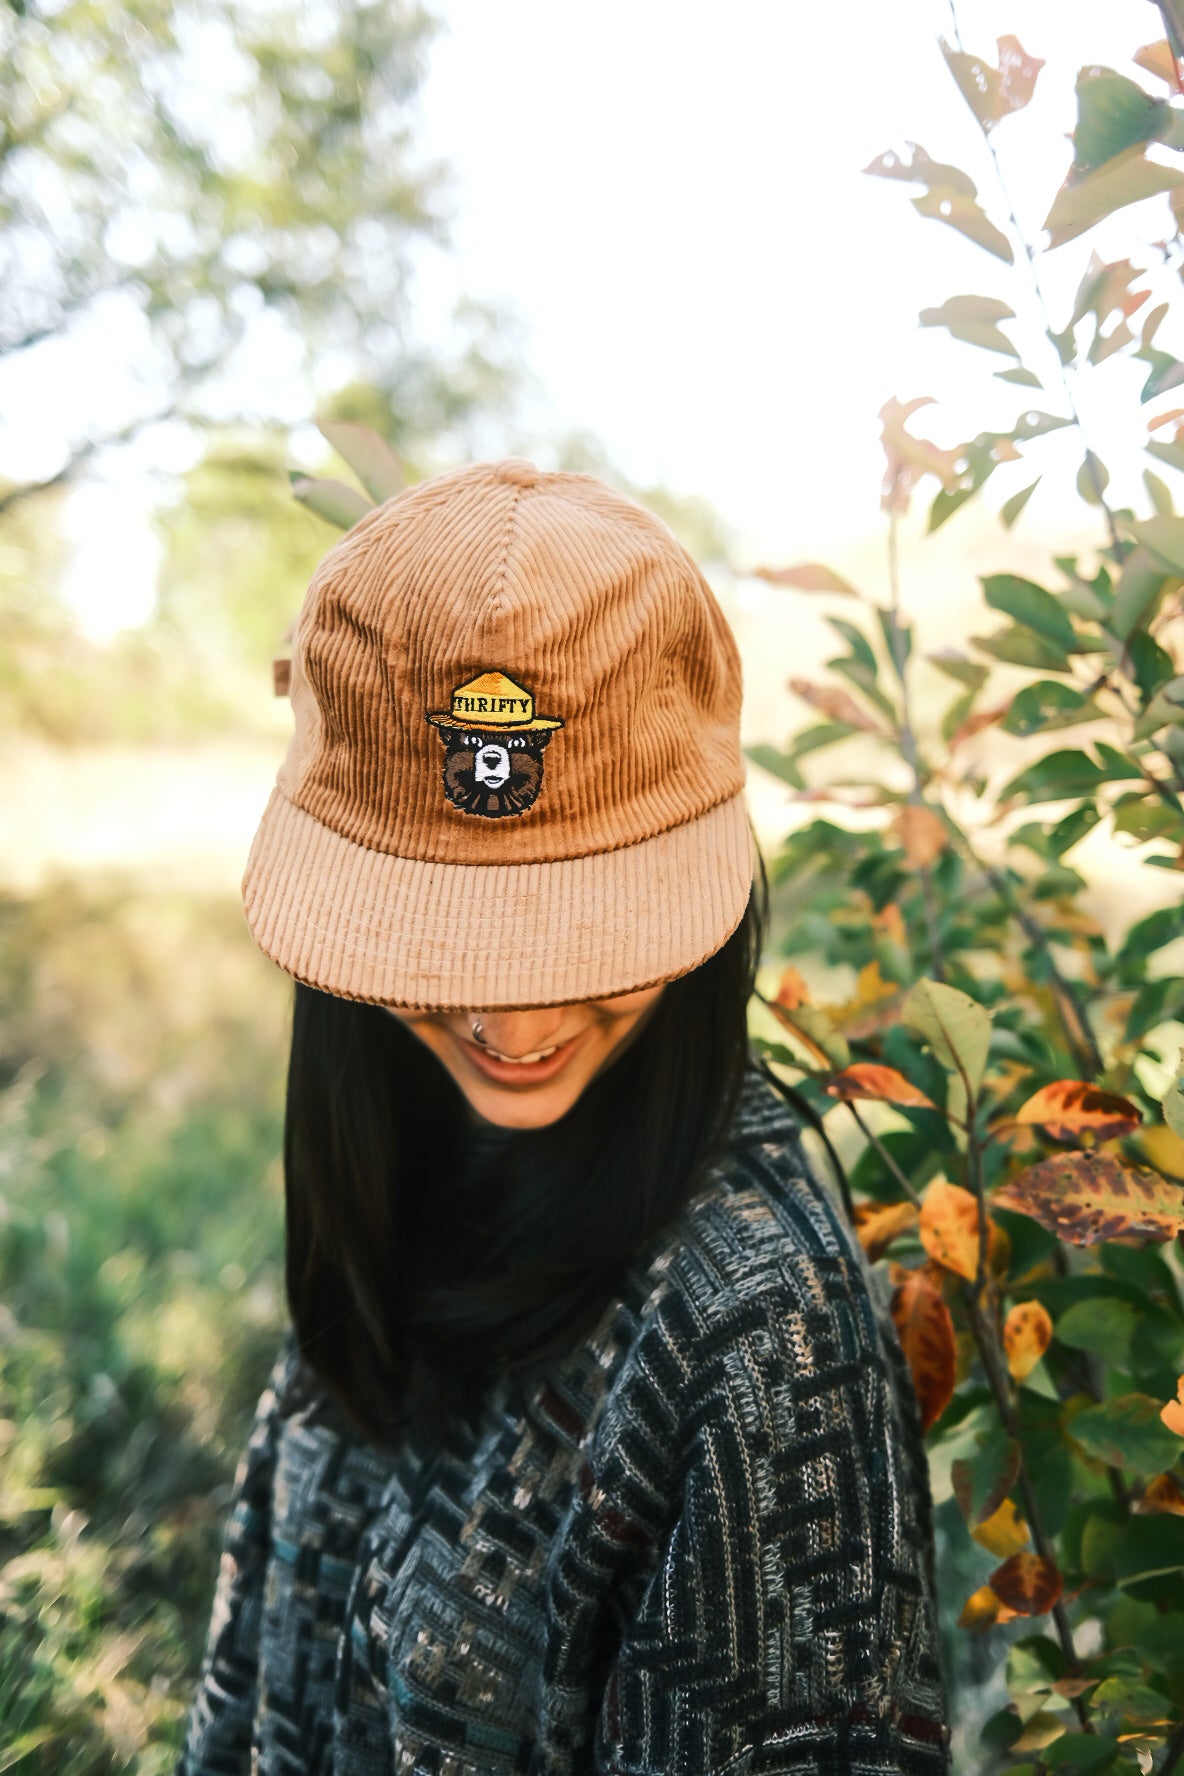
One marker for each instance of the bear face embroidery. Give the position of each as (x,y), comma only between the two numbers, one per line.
(494,743)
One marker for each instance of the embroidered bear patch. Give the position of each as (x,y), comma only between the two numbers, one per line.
(494,742)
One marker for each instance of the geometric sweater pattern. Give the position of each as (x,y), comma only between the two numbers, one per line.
(700,1543)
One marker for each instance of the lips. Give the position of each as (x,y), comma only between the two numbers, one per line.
(520,1073)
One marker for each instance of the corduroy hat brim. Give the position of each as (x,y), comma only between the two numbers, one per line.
(428,936)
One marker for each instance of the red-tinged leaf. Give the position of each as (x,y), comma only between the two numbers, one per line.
(926,1333)
(1161,1497)
(908,457)
(974,724)
(949,1228)
(1026,1334)
(878,1225)
(921,832)
(993,93)
(866,1079)
(370,457)
(809,576)
(333,500)
(1069,1110)
(1157,59)
(1027,1584)
(835,702)
(281,675)
(1087,1197)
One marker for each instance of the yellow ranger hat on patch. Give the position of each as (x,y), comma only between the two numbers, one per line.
(491,700)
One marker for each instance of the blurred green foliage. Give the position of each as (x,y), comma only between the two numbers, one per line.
(140,1238)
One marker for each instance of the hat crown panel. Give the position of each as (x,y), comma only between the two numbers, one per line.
(571,591)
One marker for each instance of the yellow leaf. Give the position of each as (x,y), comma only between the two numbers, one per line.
(983,1609)
(1026,1332)
(1004,1533)
(949,1227)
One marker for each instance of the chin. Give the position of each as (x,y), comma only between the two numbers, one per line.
(514,1110)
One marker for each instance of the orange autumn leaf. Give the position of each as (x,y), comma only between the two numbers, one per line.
(926,1333)
(867,1079)
(873,1006)
(921,833)
(1173,1412)
(983,1609)
(949,1228)
(1026,1332)
(877,1225)
(889,923)
(1070,1110)
(792,990)
(1027,1583)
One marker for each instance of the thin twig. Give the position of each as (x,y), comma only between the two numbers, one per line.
(908,738)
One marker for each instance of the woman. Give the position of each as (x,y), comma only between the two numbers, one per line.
(590,1448)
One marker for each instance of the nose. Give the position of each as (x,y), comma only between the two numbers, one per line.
(517,1033)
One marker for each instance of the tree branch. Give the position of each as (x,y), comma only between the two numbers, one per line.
(82,454)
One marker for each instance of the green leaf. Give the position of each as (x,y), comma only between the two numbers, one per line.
(333,500)
(1145,819)
(856,640)
(1157,1002)
(983,1479)
(1160,494)
(1166,709)
(959,668)
(1031,605)
(1127,1699)
(369,456)
(1084,1754)
(1151,1545)
(1048,704)
(1113,114)
(1021,647)
(1118,767)
(1151,934)
(1126,179)
(1026,377)
(1106,1327)
(1140,586)
(1036,425)
(1093,478)
(1170,453)
(1126,1432)
(898,638)
(974,320)
(1010,510)
(776,763)
(1173,1105)
(956,1027)
(1164,538)
(1056,777)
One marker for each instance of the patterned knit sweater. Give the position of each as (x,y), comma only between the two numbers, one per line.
(701,1543)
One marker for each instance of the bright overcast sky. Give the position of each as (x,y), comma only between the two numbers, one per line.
(671,199)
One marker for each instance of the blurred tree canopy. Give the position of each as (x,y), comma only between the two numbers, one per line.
(219,167)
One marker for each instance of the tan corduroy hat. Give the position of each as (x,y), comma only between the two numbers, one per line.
(515,778)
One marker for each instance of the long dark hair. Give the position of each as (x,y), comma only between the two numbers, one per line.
(413,1278)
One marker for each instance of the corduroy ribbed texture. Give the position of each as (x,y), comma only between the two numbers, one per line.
(387,869)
